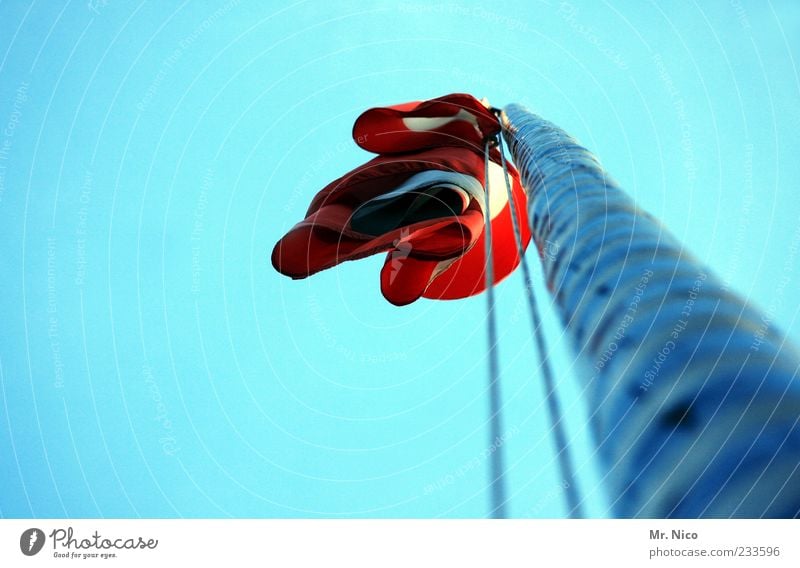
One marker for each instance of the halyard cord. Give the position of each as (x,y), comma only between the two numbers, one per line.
(553,405)
(497,485)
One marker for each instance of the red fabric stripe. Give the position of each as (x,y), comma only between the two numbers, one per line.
(381,130)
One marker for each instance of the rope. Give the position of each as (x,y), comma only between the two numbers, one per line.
(553,404)
(497,484)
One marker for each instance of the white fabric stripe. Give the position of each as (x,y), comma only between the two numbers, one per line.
(462,183)
(423,123)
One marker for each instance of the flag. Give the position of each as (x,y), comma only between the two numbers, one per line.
(421,201)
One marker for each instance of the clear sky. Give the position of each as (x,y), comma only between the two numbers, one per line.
(153,364)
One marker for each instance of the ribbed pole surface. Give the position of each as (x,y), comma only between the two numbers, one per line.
(694,398)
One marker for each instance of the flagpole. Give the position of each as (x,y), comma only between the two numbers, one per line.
(693,398)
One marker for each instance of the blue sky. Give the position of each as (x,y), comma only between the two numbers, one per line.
(151,361)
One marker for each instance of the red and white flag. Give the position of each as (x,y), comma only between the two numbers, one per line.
(421,201)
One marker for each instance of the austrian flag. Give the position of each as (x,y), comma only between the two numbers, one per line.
(421,201)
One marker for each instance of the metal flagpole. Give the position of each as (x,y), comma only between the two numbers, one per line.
(694,398)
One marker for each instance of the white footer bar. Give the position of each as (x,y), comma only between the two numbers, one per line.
(399,543)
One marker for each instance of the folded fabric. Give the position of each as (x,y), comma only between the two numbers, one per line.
(452,120)
(423,205)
